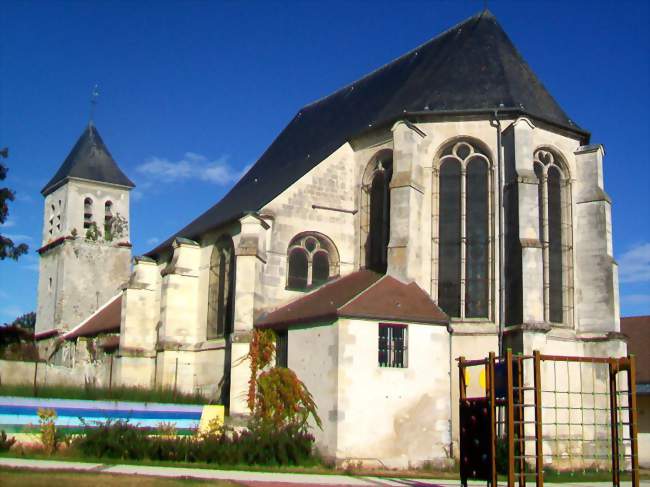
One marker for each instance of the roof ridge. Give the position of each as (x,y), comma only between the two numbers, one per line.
(476,16)
(360,293)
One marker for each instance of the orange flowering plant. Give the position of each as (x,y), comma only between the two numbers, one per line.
(276,396)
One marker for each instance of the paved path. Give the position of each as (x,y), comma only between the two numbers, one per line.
(257,479)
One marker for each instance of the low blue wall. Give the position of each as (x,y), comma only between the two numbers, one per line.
(20,414)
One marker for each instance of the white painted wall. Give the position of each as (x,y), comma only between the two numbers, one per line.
(313,355)
(400,416)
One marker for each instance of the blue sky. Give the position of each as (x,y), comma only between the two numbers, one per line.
(198,90)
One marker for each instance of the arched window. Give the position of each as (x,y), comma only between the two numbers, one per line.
(88,212)
(108,217)
(554,207)
(375,215)
(221,290)
(464,230)
(298,269)
(312,261)
(320,269)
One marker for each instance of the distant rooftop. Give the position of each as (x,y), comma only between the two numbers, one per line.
(637,329)
(90,160)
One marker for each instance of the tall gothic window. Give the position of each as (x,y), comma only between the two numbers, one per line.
(312,260)
(464,231)
(554,203)
(375,216)
(221,289)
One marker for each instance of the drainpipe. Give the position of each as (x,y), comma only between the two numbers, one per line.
(451,393)
(500,170)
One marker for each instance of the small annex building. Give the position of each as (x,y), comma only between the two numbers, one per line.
(443,205)
(384,351)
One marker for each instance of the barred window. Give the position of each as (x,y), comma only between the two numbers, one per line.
(393,345)
(282,348)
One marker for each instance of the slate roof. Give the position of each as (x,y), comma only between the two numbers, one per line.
(637,329)
(91,160)
(471,68)
(363,294)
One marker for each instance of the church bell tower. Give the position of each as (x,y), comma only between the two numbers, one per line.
(85,254)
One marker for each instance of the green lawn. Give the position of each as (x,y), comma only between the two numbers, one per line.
(136,394)
(40,478)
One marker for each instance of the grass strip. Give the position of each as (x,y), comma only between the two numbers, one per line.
(130,394)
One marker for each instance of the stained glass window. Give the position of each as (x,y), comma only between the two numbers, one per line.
(476,294)
(449,246)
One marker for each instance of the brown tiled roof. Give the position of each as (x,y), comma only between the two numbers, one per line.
(105,320)
(362,294)
(637,329)
(391,299)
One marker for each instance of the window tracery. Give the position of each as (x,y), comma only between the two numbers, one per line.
(554,232)
(312,261)
(462,204)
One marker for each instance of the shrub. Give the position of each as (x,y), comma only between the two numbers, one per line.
(49,435)
(5,442)
(283,399)
(260,445)
(112,439)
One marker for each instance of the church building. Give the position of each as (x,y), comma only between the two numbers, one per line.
(444,205)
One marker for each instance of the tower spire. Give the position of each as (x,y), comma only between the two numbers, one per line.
(93,103)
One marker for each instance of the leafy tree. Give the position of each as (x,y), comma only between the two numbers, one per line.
(7,247)
(26,321)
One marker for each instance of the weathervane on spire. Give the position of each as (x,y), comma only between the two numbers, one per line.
(93,101)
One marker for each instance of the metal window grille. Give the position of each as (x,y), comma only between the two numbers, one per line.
(393,346)
(282,348)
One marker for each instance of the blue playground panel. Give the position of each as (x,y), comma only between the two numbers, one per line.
(20,414)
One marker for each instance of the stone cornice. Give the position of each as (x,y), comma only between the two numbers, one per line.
(585,149)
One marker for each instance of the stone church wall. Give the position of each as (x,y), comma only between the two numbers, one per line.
(331,184)
(84,276)
(94,374)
